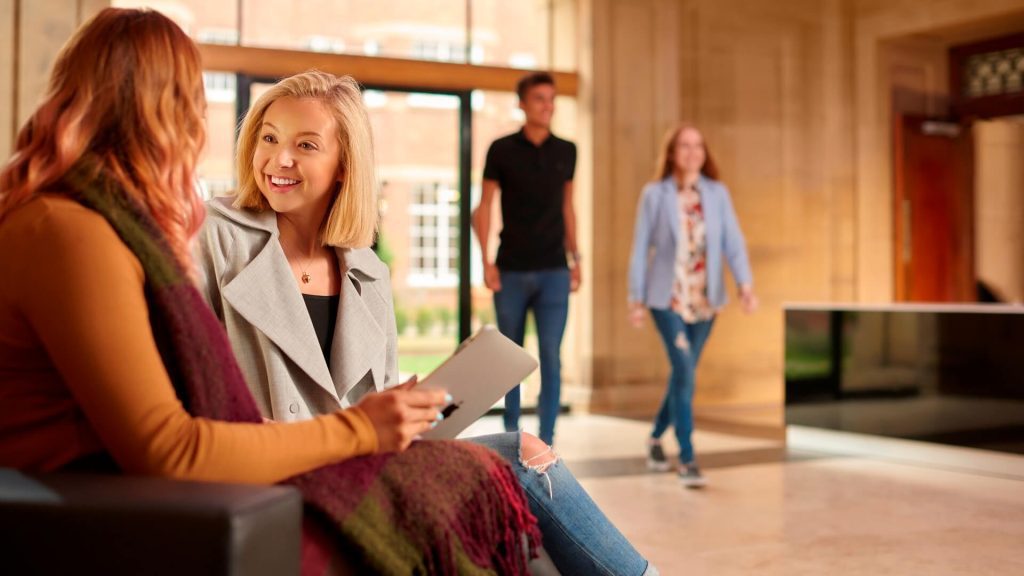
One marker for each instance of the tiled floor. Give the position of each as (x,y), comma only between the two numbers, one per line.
(770,511)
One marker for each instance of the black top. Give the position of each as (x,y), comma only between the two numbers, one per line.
(532,181)
(323,311)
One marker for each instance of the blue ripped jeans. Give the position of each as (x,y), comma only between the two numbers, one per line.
(683,342)
(576,534)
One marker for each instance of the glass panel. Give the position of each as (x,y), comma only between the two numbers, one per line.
(947,374)
(416,138)
(531,34)
(994,73)
(216,168)
(412,29)
(496,114)
(513,34)
(417,153)
(206,22)
(211,23)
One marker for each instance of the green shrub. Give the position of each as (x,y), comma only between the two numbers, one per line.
(424,321)
(401,320)
(383,249)
(445,316)
(485,315)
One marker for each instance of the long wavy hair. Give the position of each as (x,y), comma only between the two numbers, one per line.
(125,98)
(665,164)
(353,217)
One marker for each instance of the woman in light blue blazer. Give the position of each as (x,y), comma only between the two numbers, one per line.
(685,228)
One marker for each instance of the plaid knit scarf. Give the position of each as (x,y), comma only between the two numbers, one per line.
(436,508)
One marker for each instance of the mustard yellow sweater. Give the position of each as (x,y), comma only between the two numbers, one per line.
(80,372)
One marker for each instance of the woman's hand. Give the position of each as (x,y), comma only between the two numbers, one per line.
(401,414)
(637,312)
(748,299)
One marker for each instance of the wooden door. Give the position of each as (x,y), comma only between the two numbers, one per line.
(934,211)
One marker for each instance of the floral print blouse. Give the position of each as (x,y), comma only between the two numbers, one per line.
(689,290)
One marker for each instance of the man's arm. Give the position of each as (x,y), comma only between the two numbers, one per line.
(569,215)
(482,229)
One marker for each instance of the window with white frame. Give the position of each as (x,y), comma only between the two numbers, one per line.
(220,86)
(434,249)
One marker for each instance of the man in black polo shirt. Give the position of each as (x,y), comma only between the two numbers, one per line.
(533,170)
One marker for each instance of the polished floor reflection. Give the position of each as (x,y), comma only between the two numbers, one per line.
(768,510)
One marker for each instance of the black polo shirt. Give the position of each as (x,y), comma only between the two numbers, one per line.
(532,181)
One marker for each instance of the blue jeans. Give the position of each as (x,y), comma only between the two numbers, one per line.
(683,342)
(547,293)
(576,534)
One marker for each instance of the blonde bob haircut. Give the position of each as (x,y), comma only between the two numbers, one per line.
(352,219)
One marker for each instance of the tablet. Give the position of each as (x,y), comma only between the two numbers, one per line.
(480,371)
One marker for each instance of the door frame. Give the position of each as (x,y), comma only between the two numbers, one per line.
(465,301)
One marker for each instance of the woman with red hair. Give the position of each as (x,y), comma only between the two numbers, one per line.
(110,361)
(685,229)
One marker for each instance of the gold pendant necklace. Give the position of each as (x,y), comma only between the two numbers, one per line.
(305,274)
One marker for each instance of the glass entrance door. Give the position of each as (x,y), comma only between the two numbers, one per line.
(422,169)
(419,165)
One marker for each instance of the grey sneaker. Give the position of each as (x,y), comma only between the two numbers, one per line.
(656,460)
(690,476)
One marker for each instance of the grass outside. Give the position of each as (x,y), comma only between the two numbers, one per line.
(420,355)
(419,364)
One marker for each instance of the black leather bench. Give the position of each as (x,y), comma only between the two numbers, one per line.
(113,525)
